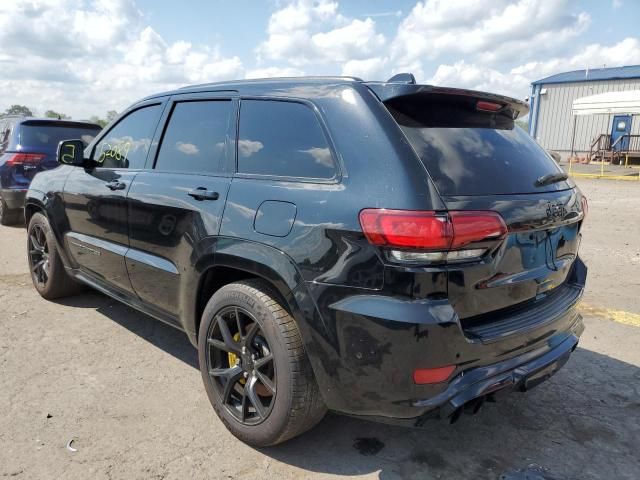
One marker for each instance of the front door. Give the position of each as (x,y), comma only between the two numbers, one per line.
(95,199)
(621,126)
(175,209)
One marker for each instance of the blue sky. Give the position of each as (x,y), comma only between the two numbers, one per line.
(84,57)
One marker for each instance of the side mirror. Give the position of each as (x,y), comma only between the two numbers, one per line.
(71,152)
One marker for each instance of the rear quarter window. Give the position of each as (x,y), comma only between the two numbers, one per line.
(284,139)
(467,152)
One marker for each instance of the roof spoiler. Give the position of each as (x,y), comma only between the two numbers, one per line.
(403,85)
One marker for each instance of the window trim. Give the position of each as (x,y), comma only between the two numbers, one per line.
(162,102)
(229,136)
(338,171)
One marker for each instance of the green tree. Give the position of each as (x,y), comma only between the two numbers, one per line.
(54,114)
(523,124)
(100,121)
(19,110)
(111,115)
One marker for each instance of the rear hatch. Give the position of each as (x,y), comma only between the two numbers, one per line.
(34,144)
(479,159)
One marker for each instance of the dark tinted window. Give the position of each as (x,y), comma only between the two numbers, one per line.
(5,131)
(126,145)
(45,137)
(195,139)
(284,139)
(467,152)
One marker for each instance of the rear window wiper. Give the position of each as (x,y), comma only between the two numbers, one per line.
(551,178)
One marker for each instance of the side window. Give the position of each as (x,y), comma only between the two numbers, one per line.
(195,139)
(5,131)
(126,145)
(284,139)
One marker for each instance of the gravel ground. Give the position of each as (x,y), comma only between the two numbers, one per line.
(127,389)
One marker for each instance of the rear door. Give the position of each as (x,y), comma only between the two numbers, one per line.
(175,209)
(95,199)
(480,160)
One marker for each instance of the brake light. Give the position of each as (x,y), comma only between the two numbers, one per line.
(429,236)
(24,158)
(406,229)
(485,106)
(469,227)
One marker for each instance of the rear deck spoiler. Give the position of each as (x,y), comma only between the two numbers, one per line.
(388,91)
(44,122)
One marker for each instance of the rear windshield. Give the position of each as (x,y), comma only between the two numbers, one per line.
(47,137)
(468,152)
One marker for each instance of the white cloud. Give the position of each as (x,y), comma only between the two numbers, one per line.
(309,32)
(494,30)
(517,80)
(479,77)
(246,148)
(84,58)
(367,69)
(269,72)
(356,40)
(321,156)
(89,57)
(187,148)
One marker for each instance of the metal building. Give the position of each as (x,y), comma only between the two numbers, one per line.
(551,121)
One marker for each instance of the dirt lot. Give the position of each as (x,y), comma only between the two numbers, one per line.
(128,390)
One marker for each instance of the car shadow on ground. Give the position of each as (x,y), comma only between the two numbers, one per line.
(583,423)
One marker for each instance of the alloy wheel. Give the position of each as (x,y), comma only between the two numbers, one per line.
(39,255)
(241,365)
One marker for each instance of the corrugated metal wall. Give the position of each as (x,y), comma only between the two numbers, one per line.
(555,121)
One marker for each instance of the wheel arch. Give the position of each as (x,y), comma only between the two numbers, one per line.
(237,259)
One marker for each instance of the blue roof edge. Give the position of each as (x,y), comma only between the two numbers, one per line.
(592,75)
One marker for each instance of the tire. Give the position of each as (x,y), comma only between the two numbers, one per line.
(7,216)
(49,277)
(296,405)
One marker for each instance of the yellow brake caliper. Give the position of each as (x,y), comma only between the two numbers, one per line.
(233,358)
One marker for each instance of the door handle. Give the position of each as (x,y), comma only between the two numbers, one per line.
(201,193)
(116,185)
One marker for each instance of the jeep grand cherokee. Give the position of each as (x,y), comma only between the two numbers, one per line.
(388,250)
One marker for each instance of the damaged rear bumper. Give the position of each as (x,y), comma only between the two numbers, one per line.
(467,392)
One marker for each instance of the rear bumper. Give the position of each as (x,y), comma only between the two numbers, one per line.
(520,373)
(468,391)
(366,370)
(13,197)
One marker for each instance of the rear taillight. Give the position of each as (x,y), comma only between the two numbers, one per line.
(406,229)
(25,159)
(428,236)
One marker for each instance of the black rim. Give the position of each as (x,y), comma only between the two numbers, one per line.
(240,365)
(39,255)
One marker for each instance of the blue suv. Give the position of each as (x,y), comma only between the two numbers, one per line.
(28,146)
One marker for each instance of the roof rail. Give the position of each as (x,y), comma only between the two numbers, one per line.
(403,78)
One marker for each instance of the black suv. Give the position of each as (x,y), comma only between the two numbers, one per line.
(28,146)
(381,249)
